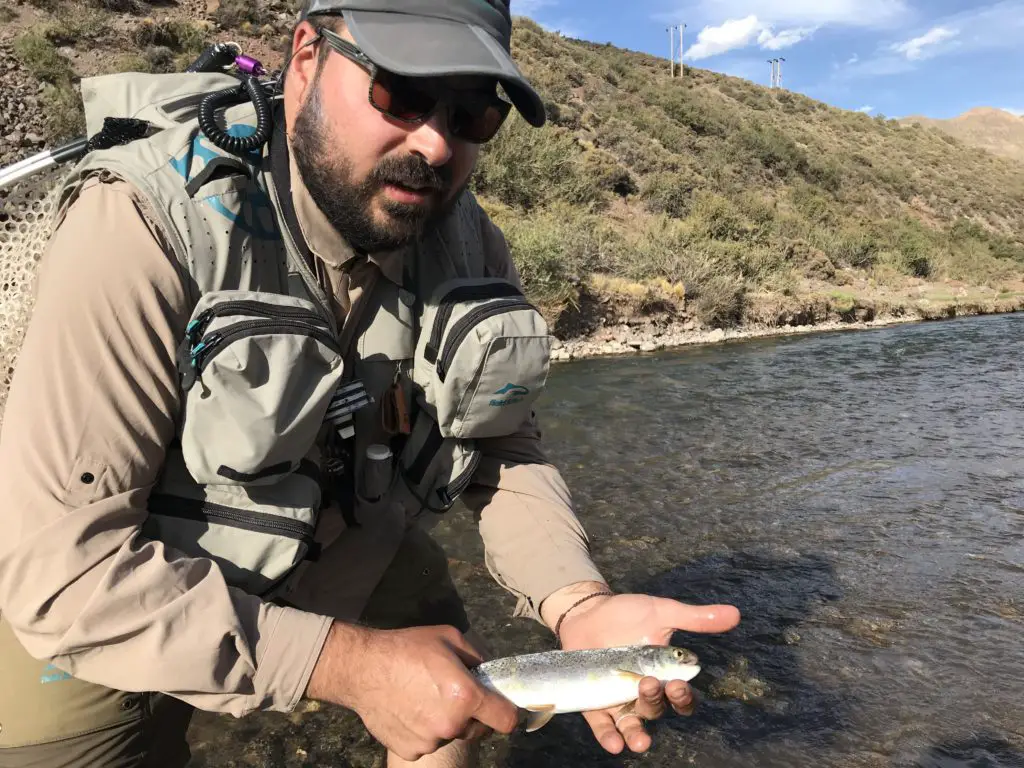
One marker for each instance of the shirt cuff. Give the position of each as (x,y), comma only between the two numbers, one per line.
(288,656)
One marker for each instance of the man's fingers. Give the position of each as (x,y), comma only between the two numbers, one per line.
(475,731)
(605,732)
(697,618)
(681,696)
(632,729)
(650,704)
(497,712)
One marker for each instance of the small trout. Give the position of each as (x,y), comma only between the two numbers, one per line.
(554,682)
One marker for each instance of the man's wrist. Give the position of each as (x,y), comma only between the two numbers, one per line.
(559,602)
(333,679)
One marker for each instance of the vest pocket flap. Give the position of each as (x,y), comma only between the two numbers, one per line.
(258,371)
(256,535)
(482,359)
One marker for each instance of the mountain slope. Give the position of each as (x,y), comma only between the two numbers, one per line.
(703,196)
(994,130)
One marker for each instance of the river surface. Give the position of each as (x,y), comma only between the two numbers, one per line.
(859,496)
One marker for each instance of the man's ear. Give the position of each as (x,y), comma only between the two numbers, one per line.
(303,65)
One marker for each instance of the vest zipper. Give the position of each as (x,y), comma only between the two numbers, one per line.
(196,327)
(465,324)
(453,297)
(206,511)
(451,492)
(208,347)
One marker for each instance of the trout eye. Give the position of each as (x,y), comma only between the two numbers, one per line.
(677,653)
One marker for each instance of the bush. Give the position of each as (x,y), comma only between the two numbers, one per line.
(42,60)
(668,193)
(179,36)
(552,249)
(232,14)
(65,117)
(529,167)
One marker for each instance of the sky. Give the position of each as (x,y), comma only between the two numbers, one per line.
(937,58)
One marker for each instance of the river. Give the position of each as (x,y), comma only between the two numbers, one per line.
(859,496)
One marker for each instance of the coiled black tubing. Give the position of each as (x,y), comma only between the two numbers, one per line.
(249,89)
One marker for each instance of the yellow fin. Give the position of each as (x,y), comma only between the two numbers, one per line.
(635,676)
(538,717)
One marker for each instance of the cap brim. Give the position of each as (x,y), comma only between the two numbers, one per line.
(425,47)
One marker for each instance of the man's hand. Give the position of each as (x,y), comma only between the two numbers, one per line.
(614,620)
(410,687)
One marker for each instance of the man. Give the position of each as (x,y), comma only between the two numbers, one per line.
(109,636)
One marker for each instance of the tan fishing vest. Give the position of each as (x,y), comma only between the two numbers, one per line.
(267,434)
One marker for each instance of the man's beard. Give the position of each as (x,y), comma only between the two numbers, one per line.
(347,205)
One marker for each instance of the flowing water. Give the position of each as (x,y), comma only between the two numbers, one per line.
(859,496)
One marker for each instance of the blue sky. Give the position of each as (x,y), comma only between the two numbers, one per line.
(894,57)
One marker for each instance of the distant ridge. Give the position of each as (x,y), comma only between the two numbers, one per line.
(995,130)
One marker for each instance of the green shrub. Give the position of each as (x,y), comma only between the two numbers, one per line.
(528,167)
(42,60)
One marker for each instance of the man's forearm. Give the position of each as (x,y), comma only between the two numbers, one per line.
(535,545)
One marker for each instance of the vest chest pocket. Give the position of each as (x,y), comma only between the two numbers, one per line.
(258,371)
(482,359)
(255,534)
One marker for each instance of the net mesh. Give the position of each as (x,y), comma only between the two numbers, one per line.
(26,211)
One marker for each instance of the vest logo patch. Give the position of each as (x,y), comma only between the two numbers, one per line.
(513,393)
(53,675)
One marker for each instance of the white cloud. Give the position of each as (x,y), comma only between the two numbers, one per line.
(923,46)
(852,60)
(804,13)
(787,38)
(735,33)
(1012,111)
(867,110)
(739,33)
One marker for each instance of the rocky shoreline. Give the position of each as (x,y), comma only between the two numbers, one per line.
(654,335)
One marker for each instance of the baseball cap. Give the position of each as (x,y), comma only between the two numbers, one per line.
(436,38)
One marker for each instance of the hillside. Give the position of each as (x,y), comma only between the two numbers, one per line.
(703,201)
(995,130)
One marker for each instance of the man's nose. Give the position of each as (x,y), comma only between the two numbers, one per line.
(431,139)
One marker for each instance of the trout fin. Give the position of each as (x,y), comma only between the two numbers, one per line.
(538,717)
(634,676)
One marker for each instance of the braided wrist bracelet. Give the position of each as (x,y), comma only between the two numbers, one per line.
(558,624)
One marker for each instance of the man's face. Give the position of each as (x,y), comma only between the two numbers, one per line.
(379,181)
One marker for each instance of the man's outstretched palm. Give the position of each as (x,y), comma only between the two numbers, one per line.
(640,619)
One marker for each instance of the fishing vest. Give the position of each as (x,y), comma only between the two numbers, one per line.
(282,410)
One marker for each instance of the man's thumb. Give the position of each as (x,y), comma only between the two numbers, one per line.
(698,618)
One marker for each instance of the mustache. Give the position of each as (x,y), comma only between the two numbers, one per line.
(412,171)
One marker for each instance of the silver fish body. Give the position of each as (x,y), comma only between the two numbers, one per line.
(554,682)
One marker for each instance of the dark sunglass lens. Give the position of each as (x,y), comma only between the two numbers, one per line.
(477,125)
(398,97)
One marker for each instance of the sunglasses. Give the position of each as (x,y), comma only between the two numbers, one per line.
(472,117)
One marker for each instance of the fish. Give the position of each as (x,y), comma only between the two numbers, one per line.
(557,682)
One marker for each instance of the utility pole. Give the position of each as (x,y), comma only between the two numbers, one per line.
(682,28)
(772,63)
(671,51)
(778,75)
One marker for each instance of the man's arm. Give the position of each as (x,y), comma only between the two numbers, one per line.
(535,546)
(91,408)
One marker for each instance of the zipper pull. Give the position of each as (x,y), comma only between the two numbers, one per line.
(198,349)
(196,326)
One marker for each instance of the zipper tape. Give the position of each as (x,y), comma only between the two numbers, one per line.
(465,324)
(453,297)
